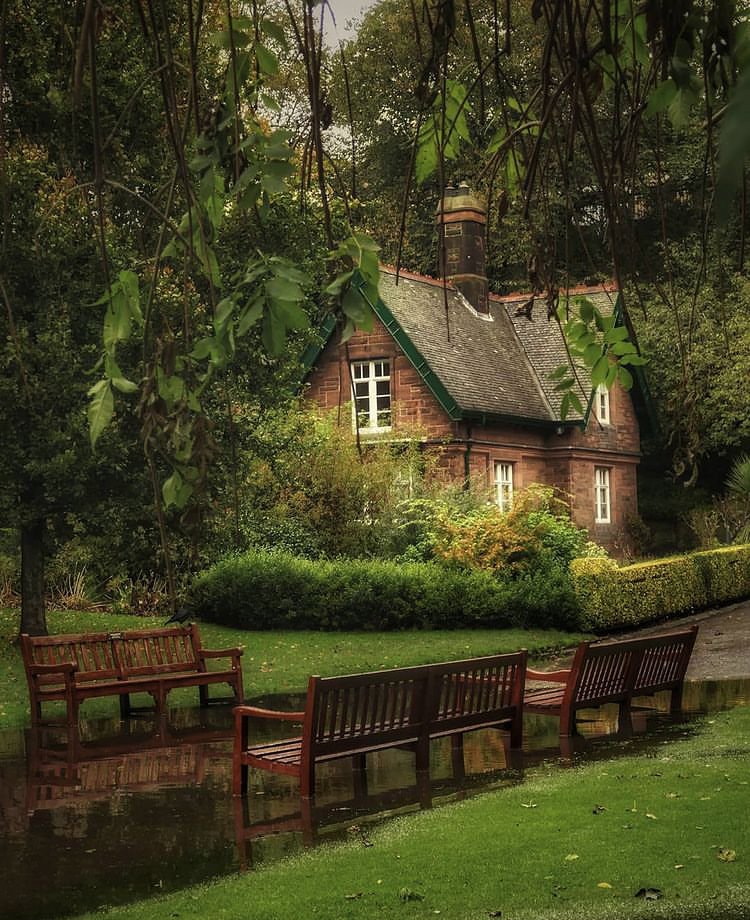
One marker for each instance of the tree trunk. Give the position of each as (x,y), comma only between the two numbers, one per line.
(33,617)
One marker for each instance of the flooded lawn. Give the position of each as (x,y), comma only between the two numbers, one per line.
(134,812)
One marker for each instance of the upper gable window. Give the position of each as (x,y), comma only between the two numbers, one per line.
(371,391)
(601,405)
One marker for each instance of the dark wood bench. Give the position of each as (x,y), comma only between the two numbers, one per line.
(353,715)
(73,668)
(613,672)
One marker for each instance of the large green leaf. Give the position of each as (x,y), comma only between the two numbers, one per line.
(100,409)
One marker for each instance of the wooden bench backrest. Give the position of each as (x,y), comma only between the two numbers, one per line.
(384,706)
(474,691)
(92,653)
(380,706)
(612,671)
(143,652)
(665,660)
(112,655)
(603,672)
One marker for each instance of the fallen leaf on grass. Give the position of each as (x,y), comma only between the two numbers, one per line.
(353,897)
(680,866)
(603,885)
(571,856)
(726,855)
(495,913)
(649,894)
(598,809)
(653,817)
(528,804)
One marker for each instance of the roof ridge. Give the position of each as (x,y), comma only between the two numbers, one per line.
(606,287)
(415,276)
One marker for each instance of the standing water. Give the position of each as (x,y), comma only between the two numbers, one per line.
(131,812)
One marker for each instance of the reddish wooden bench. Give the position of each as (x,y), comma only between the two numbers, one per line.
(73,668)
(613,672)
(353,715)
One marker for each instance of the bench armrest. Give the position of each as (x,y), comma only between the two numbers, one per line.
(559,676)
(242,712)
(63,667)
(220,652)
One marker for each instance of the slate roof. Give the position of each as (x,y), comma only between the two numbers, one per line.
(494,365)
(543,342)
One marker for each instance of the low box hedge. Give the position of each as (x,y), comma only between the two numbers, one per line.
(276,590)
(613,597)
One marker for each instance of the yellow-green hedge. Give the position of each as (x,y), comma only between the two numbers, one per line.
(612,597)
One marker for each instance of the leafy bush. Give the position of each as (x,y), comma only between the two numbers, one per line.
(274,590)
(611,597)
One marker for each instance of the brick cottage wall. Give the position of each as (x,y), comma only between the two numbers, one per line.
(566,461)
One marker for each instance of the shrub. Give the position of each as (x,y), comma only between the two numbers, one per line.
(270,590)
(611,597)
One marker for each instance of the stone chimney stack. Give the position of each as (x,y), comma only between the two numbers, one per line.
(461,219)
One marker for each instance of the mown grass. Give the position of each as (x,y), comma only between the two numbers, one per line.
(275,661)
(564,844)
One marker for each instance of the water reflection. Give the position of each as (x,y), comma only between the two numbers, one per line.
(134,811)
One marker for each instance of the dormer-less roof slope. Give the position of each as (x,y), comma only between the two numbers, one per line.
(479,360)
(542,338)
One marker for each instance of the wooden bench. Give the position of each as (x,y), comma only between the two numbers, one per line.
(613,672)
(73,668)
(353,715)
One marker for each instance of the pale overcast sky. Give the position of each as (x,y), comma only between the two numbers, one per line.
(344,10)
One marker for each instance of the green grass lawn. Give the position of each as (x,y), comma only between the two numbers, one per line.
(564,843)
(275,662)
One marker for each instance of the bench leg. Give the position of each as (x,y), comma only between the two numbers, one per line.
(359,775)
(624,724)
(567,722)
(457,756)
(516,731)
(124,706)
(423,755)
(203,695)
(675,704)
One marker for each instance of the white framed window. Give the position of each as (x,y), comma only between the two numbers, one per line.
(371,395)
(602,495)
(601,405)
(504,485)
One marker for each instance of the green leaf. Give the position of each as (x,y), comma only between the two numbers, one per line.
(176,491)
(623,348)
(585,309)
(599,371)
(356,308)
(575,402)
(560,371)
(289,313)
(100,409)
(223,312)
(624,377)
(250,315)
(661,97)
(124,385)
(338,283)
(284,289)
(268,63)
(274,31)
(617,334)
(273,334)
(565,384)
(592,354)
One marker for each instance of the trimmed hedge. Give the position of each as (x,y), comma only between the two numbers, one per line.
(611,597)
(275,590)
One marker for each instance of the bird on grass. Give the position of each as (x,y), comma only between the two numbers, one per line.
(181,615)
